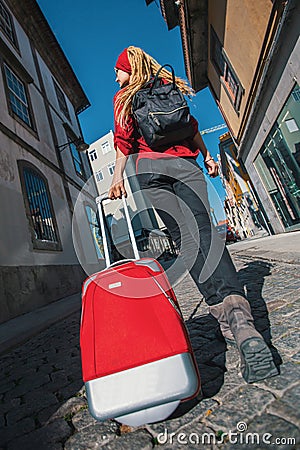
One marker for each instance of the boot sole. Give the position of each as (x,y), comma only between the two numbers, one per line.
(259,362)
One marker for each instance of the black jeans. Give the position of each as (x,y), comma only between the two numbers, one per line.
(176,187)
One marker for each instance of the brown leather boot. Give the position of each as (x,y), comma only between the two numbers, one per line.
(218,312)
(256,358)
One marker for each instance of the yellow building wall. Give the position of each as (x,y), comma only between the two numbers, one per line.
(241,26)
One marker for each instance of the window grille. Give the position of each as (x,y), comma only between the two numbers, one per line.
(99,176)
(39,205)
(111,168)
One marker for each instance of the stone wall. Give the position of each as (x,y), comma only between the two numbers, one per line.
(26,288)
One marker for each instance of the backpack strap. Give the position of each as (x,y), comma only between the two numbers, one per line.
(157,75)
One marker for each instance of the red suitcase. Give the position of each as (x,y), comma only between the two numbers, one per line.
(137,360)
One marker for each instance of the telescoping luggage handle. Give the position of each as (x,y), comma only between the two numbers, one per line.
(99,201)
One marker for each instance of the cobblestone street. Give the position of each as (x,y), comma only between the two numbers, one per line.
(43,406)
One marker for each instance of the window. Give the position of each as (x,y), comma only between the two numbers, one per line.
(99,176)
(77,160)
(95,231)
(227,75)
(278,163)
(111,168)
(93,154)
(17,96)
(296,94)
(61,100)
(39,208)
(105,147)
(292,125)
(6,24)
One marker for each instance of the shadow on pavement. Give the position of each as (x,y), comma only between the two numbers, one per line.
(210,357)
(253,277)
(207,342)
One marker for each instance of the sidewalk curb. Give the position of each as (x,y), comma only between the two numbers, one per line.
(16,331)
(282,248)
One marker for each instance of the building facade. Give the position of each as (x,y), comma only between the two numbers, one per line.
(248,54)
(41,169)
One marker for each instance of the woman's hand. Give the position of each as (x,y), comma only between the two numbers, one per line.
(117,189)
(211,167)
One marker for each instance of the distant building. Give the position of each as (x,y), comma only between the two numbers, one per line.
(241,207)
(248,54)
(40,178)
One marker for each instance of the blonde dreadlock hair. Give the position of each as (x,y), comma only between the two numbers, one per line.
(143,67)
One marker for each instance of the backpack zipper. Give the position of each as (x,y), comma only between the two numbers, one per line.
(152,113)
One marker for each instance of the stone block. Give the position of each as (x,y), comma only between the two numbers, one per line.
(263,432)
(289,375)
(33,402)
(28,383)
(183,416)
(90,438)
(241,405)
(10,433)
(48,437)
(69,408)
(138,440)
(83,419)
(287,407)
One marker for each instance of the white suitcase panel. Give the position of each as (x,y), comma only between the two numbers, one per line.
(161,382)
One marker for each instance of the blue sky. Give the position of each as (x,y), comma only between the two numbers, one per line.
(94,32)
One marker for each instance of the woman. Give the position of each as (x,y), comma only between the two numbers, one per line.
(176,187)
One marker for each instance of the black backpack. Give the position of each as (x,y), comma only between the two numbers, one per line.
(161,112)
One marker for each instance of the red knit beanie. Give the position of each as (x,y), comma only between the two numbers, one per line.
(123,62)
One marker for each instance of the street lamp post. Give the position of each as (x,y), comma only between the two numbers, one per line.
(79,143)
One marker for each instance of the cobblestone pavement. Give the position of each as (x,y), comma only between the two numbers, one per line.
(43,406)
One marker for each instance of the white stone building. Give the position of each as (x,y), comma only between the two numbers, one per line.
(40,178)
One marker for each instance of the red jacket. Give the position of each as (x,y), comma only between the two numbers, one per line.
(129,141)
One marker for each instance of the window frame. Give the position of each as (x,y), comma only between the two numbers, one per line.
(61,100)
(79,160)
(111,165)
(227,74)
(296,95)
(38,244)
(12,37)
(12,113)
(92,158)
(96,176)
(107,145)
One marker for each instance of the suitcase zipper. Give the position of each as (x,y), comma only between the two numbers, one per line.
(167,296)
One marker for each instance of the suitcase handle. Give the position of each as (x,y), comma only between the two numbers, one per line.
(99,201)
